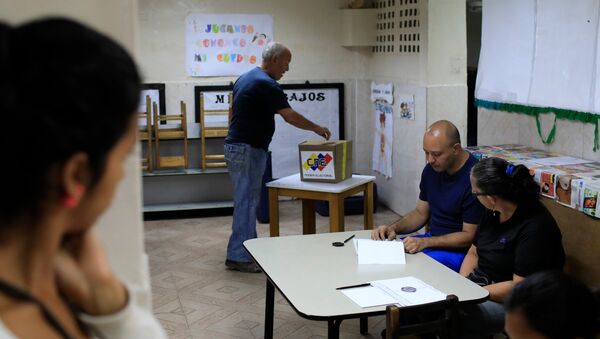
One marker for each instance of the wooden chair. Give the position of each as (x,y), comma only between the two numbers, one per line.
(212,160)
(170,133)
(440,317)
(145,134)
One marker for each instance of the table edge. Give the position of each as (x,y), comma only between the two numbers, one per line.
(343,316)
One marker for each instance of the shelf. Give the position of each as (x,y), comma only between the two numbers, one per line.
(184,171)
(188,206)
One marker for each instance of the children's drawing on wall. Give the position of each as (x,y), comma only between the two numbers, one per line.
(225,44)
(407,106)
(383,138)
(383,92)
(260,39)
(383,97)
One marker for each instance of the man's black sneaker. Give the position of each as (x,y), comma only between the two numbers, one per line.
(247,267)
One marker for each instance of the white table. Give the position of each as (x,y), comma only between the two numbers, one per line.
(335,194)
(306,269)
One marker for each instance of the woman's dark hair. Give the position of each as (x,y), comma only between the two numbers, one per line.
(556,305)
(64,88)
(495,176)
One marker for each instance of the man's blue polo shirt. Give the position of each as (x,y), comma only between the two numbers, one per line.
(256,99)
(450,199)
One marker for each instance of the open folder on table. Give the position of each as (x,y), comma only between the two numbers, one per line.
(379,252)
(405,291)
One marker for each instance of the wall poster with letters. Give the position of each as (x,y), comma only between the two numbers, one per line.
(322,103)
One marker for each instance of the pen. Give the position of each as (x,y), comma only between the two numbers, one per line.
(353,286)
(352,236)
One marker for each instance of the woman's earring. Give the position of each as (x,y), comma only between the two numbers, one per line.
(71,201)
(494,212)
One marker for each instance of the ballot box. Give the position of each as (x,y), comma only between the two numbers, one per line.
(325,161)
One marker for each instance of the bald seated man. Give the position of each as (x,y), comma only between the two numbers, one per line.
(257,97)
(445,202)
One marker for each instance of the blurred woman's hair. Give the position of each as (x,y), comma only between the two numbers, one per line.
(64,89)
(556,305)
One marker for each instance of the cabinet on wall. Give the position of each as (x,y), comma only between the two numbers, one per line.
(358,27)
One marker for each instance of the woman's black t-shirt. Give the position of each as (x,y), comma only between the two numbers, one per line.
(528,242)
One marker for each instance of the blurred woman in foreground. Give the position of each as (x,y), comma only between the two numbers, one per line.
(67,98)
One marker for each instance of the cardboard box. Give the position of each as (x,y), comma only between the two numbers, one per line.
(589,201)
(546,177)
(577,186)
(565,192)
(325,161)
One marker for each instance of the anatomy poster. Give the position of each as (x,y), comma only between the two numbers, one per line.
(383,138)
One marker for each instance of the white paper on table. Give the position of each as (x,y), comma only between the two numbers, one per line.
(559,161)
(423,293)
(379,252)
(389,291)
(368,296)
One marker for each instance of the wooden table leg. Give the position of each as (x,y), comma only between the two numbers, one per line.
(336,213)
(274,211)
(368,206)
(308,216)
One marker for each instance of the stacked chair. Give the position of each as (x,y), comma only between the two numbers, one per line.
(145,134)
(212,160)
(174,128)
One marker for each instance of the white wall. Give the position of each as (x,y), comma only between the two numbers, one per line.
(121,228)
(572,138)
(447,63)
(497,127)
(116,18)
(436,76)
(310,28)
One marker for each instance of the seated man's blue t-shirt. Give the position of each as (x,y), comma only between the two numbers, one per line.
(256,99)
(450,198)
(451,203)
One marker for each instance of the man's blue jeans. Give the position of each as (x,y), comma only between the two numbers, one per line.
(481,320)
(246,166)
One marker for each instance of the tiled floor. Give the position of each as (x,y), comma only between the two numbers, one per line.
(194,296)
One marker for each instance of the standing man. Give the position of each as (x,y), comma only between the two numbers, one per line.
(446,201)
(257,97)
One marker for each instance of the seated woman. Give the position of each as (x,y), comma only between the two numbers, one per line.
(68,97)
(551,304)
(517,237)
